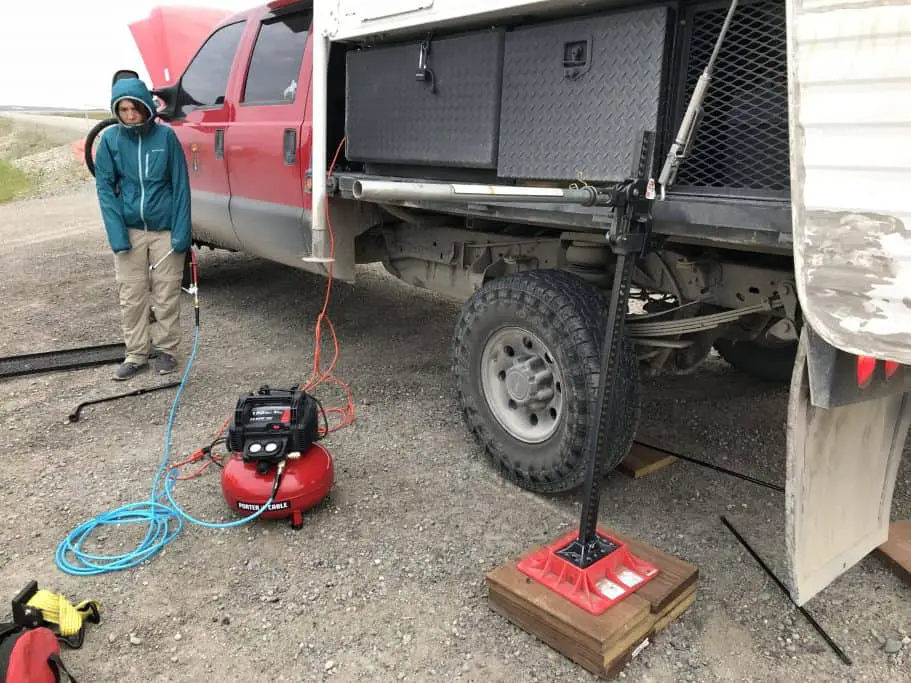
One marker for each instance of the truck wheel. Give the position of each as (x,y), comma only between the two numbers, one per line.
(527,361)
(769,362)
(89,152)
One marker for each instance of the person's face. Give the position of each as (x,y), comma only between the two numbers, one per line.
(129,113)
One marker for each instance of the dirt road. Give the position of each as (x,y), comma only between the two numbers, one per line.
(71,127)
(385,582)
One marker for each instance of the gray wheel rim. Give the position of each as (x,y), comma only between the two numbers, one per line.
(522,384)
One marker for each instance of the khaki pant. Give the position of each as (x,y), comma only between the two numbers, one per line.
(141,291)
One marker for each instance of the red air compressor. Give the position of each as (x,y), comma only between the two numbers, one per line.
(276,460)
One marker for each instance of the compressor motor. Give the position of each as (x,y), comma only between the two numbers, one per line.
(275,455)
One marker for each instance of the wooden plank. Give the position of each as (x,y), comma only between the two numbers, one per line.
(605,643)
(591,641)
(643,460)
(558,635)
(675,576)
(592,631)
(896,552)
(674,610)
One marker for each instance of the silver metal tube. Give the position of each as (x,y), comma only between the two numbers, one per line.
(319,243)
(687,131)
(161,260)
(390,191)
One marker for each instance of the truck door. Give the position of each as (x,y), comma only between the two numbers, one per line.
(201,126)
(267,145)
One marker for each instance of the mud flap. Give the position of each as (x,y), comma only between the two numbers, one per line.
(842,465)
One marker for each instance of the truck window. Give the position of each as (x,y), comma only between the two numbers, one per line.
(275,65)
(206,78)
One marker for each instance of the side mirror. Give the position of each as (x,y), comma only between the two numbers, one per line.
(174,99)
(168,96)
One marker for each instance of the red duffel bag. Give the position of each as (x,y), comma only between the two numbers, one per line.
(30,655)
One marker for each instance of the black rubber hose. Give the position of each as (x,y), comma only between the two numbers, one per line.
(90,142)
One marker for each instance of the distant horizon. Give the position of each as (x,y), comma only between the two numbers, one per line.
(58,54)
(39,107)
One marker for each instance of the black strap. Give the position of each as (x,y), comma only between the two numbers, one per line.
(8,629)
(57,667)
(9,634)
(74,642)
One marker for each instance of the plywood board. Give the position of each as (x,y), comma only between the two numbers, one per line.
(896,551)
(643,460)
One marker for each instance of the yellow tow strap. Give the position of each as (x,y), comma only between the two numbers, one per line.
(56,609)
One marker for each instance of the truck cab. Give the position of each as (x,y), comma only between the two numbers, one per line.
(242,112)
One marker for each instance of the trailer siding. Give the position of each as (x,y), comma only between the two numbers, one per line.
(850,104)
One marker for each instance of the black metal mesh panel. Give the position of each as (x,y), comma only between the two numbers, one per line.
(741,145)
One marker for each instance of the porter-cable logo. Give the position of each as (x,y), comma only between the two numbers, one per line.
(253,507)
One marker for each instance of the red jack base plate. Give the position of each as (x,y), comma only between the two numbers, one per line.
(597,587)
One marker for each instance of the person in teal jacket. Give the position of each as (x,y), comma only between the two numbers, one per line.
(144,194)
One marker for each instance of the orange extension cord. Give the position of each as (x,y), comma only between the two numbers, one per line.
(345,414)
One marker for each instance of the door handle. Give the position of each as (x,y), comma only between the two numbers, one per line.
(194,156)
(289,145)
(220,143)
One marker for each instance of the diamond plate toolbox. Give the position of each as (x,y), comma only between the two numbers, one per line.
(392,117)
(577,94)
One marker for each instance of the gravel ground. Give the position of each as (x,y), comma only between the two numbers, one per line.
(56,168)
(386,579)
(57,171)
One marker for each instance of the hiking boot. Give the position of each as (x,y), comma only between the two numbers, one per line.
(164,363)
(127,370)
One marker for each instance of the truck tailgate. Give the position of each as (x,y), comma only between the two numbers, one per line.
(850,110)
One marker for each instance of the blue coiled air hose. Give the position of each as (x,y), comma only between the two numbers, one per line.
(164,520)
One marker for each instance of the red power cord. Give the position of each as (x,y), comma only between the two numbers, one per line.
(318,377)
(346,414)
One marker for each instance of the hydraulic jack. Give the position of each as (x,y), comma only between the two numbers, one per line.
(589,568)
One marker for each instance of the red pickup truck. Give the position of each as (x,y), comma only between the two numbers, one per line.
(461,155)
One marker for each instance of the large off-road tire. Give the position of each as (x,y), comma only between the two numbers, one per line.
(539,334)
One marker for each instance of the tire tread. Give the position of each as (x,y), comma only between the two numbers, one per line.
(574,308)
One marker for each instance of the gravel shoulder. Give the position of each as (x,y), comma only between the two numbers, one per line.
(386,579)
(69,128)
(43,148)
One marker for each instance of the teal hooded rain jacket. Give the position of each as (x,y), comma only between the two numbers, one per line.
(141,175)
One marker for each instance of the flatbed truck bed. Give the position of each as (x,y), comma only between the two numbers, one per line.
(742,224)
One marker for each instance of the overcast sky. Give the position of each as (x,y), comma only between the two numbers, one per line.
(64,52)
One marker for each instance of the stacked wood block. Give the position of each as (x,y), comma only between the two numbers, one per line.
(603,644)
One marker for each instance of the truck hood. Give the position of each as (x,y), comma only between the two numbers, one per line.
(170,36)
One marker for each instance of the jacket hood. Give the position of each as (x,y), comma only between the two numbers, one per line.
(133,89)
